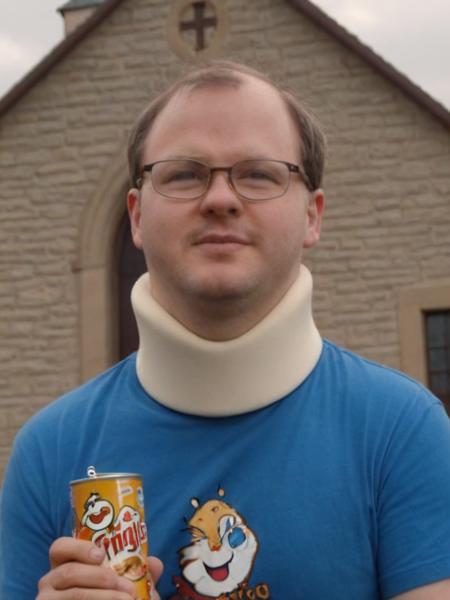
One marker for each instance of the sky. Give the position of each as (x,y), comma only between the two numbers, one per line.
(410,34)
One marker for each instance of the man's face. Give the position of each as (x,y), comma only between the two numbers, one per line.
(220,247)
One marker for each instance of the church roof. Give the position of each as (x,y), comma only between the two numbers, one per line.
(75,4)
(307,8)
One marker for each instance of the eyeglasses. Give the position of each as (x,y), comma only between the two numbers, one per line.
(185,179)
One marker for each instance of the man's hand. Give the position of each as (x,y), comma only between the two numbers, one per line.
(156,568)
(77,573)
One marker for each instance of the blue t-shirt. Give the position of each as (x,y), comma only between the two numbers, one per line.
(340,491)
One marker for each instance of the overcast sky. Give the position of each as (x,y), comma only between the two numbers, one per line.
(410,34)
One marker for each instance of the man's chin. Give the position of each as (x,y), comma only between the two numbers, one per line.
(225,289)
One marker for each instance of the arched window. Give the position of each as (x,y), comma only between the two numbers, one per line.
(131,265)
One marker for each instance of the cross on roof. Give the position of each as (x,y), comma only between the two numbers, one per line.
(199,24)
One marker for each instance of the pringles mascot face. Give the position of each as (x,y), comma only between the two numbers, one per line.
(223,549)
(99,513)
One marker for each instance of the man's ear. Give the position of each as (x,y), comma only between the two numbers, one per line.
(314,213)
(134,213)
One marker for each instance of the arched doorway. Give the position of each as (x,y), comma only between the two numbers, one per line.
(130,266)
(96,269)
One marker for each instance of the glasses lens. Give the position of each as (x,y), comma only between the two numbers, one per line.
(260,179)
(180,178)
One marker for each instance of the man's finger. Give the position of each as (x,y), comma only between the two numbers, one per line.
(84,593)
(75,575)
(67,549)
(156,568)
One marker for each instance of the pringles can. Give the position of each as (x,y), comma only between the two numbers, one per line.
(108,510)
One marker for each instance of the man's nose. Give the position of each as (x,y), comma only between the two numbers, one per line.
(220,197)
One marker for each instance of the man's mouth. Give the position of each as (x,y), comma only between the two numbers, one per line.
(222,238)
(218,573)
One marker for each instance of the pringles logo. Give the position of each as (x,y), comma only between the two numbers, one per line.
(119,536)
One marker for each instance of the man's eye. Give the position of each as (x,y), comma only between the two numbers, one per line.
(182,176)
(258,176)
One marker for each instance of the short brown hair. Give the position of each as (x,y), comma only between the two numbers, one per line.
(228,73)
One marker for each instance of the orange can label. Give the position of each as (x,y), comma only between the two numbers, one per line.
(109,510)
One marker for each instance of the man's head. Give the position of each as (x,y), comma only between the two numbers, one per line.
(230,250)
(232,74)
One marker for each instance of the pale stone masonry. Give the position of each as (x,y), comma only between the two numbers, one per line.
(387,186)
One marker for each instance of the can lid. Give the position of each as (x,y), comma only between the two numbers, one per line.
(93,475)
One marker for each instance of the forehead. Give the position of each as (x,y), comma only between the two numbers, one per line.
(251,112)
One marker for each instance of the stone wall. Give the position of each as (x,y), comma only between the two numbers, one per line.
(387,186)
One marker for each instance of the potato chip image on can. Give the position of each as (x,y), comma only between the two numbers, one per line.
(108,510)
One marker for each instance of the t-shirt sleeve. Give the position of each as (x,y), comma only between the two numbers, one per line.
(413,504)
(26,530)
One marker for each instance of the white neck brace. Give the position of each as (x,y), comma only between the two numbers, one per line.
(192,375)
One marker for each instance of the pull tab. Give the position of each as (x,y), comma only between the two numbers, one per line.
(91,472)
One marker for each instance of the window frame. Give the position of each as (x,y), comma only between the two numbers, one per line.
(445,348)
(414,303)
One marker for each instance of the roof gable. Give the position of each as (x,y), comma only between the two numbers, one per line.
(410,89)
(315,14)
(56,55)
(76,4)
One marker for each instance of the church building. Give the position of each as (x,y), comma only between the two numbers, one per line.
(67,263)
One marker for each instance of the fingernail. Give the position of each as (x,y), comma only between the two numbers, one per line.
(97,554)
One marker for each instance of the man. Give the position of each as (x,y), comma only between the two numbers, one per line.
(276,465)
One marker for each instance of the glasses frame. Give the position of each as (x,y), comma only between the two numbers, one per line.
(292,168)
